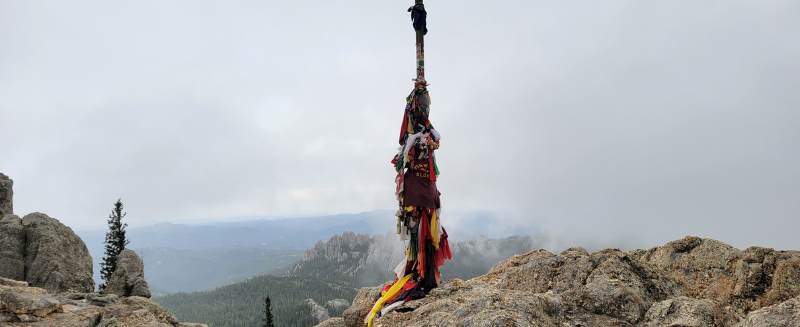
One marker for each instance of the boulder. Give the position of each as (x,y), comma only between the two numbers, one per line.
(12,247)
(688,282)
(161,314)
(44,252)
(55,258)
(128,278)
(684,311)
(318,312)
(71,316)
(333,322)
(366,297)
(608,282)
(26,303)
(703,267)
(475,303)
(6,195)
(781,315)
(12,283)
(336,306)
(753,271)
(740,281)
(24,306)
(785,282)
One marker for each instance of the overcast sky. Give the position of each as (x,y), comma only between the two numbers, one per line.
(613,121)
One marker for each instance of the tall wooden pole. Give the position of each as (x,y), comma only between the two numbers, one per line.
(420,49)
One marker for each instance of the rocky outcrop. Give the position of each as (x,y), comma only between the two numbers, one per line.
(339,247)
(46,278)
(6,195)
(21,305)
(12,247)
(337,305)
(782,315)
(41,250)
(323,313)
(684,311)
(333,322)
(689,282)
(45,253)
(319,313)
(361,305)
(347,251)
(738,281)
(128,278)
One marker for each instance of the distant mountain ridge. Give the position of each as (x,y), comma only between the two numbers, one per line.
(290,233)
(259,245)
(368,260)
(186,258)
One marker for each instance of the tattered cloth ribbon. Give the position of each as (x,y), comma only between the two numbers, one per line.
(396,288)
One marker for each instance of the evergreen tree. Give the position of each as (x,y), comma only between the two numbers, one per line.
(115,242)
(268,313)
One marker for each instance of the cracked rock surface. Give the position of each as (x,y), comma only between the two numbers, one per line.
(22,305)
(688,282)
(45,253)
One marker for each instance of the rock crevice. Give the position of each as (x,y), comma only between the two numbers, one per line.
(45,253)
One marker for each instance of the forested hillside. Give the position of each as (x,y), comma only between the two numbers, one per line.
(333,270)
(242,304)
(195,257)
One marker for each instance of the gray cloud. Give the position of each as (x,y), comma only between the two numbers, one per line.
(596,121)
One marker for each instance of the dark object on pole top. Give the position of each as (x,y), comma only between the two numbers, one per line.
(419,17)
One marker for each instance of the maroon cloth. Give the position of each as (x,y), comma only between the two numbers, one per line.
(418,188)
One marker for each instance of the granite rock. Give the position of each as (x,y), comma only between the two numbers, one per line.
(12,247)
(24,306)
(56,259)
(684,311)
(785,314)
(6,195)
(688,282)
(128,279)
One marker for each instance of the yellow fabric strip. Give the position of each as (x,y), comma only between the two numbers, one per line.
(387,296)
(434,230)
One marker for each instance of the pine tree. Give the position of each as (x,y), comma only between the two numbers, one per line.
(268,313)
(115,242)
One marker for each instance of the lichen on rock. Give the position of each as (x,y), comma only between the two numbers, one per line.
(688,282)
